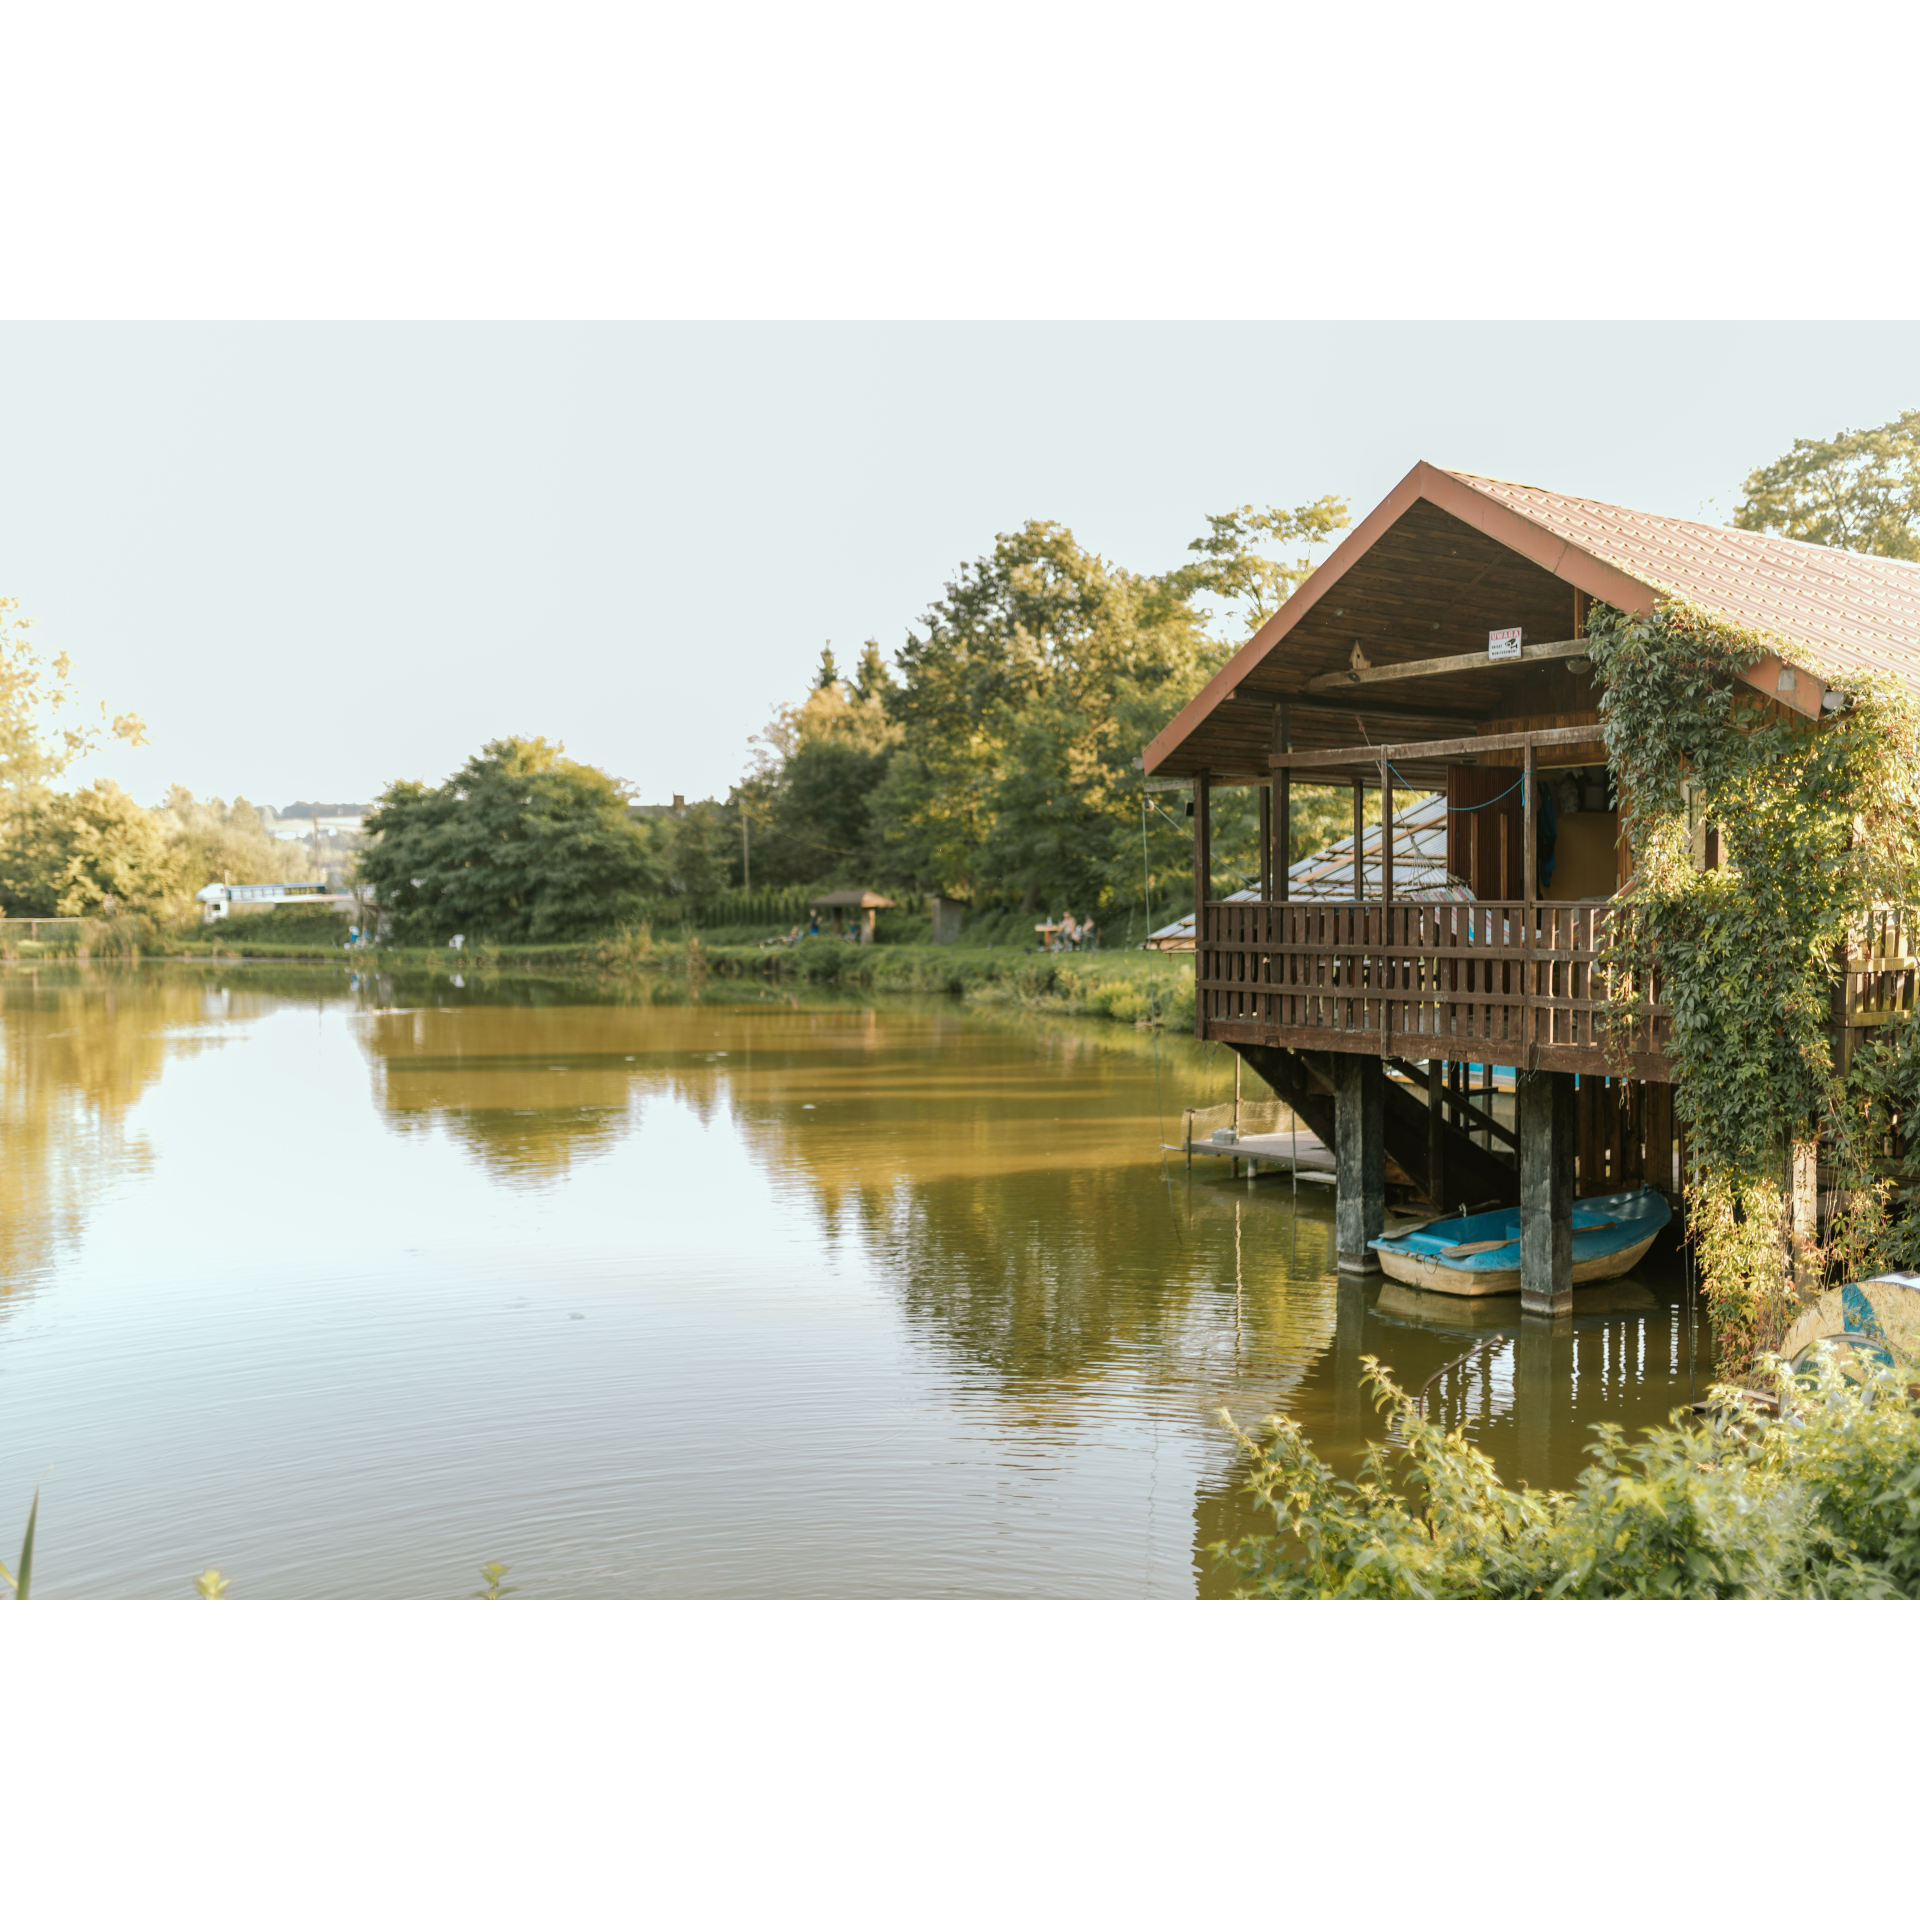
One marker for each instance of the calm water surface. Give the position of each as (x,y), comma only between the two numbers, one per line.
(347,1285)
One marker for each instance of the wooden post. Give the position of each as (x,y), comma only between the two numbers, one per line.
(1359,1159)
(1530,856)
(1436,1138)
(1530,813)
(1359,840)
(1283,809)
(1266,843)
(1543,1120)
(1202,894)
(1386,837)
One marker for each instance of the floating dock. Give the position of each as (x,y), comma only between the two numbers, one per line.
(1299,1153)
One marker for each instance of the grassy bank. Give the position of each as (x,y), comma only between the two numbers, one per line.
(1133,988)
(1130,987)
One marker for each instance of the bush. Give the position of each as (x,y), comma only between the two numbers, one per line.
(1824,1502)
(288,926)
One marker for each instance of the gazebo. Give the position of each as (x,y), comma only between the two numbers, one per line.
(852,900)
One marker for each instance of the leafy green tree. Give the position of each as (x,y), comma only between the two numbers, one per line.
(219,841)
(43,725)
(521,844)
(808,800)
(1859,490)
(73,853)
(1024,700)
(1232,565)
(702,850)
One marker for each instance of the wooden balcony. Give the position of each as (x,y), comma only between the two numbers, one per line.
(1499,981)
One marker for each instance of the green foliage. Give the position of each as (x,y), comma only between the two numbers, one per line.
(522,844)
(22,1582)
(70,853)
(1824,1503)
(221,842)
(292,925)
(1033,684)
(493,1573)
(808,801)
(42,732)
(1819,824)
(1232,565)
(1859,490)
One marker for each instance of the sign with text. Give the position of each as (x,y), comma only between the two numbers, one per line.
(1504,644)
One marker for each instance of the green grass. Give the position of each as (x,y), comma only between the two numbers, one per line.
(1131,987)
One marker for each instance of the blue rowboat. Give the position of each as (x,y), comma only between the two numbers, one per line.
(1479,1253)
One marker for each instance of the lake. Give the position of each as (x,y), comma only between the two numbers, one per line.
(346,1284)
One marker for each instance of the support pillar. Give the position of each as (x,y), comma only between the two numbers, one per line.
(1359,839)
(1359,1159)
(1543,1115)
(1436,1134)
(1202,895)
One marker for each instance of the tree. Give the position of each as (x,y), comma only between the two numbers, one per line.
(1035,681)
(42,732)
(1231,566)
(218,841)
(521,844)
(1859,490)
(72,853)
(818,764)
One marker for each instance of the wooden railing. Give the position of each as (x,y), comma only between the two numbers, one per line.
(1485,980)
(1880,967)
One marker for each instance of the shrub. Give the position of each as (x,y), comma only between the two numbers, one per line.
(1824,1502)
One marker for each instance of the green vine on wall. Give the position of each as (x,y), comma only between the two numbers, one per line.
(1819,827)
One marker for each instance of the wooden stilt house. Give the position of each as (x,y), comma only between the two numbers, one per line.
(1442,649)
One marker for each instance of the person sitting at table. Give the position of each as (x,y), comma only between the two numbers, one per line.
(1089,936)
(1069,929)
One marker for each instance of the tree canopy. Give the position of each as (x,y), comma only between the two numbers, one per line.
(1859,490)
(1000,757)
(521,844)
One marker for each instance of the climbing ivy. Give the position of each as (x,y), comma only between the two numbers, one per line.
(1819,825)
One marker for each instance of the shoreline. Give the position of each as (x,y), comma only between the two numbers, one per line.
(1130,987)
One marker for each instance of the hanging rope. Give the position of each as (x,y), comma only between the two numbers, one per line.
(1451,808)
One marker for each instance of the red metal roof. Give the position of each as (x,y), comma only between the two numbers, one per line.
(1847,609)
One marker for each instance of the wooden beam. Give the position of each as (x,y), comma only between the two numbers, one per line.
(1361,709)
(1441,749)
(1444,663)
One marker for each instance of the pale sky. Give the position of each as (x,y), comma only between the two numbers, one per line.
(317,557)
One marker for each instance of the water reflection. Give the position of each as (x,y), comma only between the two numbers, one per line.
(648,1292)
(78,1049)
